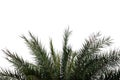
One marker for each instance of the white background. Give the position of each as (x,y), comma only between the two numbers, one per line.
(48,19)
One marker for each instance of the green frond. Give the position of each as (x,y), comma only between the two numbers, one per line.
(14,59)
(41,57)
(55,59)
(91,46)
(11,75)
(53,55)
(94,44)
(22,66)
(100,64)
(36,48)
(70,65)
(66,53)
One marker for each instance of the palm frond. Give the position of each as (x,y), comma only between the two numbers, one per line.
(66,53)
(53,55)
(14,59)
(41,57)
(37,50)
(11,75)
(55,59)
(101,63)
(92,46)
(22,66)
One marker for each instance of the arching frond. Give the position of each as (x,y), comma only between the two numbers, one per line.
(41,57)
(22,66)
(92,46)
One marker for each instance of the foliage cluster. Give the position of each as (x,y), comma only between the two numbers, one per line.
(88,63)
